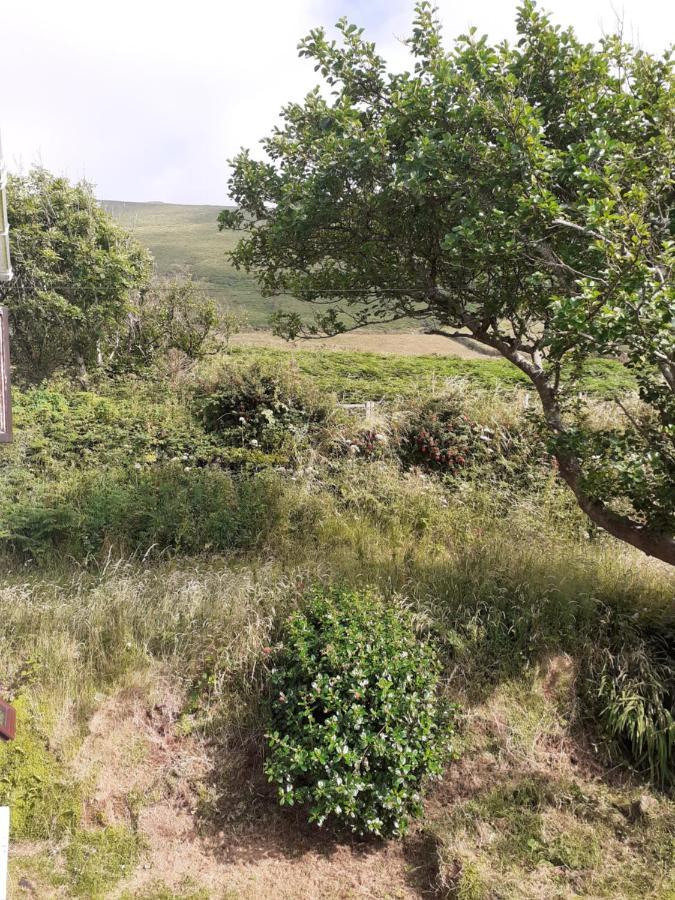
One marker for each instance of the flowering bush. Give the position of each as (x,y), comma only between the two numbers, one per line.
(369,444)
(444,439)
(356,722)
(441,437)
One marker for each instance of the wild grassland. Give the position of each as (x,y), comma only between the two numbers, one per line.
(357,376)
(142,591)
(529,808)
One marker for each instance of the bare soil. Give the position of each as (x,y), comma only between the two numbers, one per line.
(147,776)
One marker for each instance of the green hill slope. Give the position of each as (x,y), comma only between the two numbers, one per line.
(187,236)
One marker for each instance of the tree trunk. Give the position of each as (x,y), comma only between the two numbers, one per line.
(653,543)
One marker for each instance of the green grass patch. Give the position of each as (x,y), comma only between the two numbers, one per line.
(44,800)
(97,860)
(357,376)
(186,890)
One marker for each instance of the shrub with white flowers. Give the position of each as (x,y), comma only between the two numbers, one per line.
(357,725)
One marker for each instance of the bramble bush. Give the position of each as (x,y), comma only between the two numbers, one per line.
(261,405)
(439,436)
(357,725)
(443,439)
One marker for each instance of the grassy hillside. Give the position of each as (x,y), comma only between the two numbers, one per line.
(180,235)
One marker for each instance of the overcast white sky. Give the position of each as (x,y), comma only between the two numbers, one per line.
(149,98)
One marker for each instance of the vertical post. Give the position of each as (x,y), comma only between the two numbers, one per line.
(4,850)
(5,381)
(5,261)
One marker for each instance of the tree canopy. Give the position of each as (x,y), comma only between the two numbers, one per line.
(76,274)
(521,194)
(83,296)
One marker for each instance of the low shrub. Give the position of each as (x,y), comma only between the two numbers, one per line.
(260,405)
(441,437)
(357,725)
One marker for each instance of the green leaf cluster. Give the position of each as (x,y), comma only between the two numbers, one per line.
(356,726)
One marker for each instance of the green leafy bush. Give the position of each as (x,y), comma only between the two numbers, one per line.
(173,314)
(356,722)
(77,274)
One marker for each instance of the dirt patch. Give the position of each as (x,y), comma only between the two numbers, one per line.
(144,773)
(132,754)
(401,344)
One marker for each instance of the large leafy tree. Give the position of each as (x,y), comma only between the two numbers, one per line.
(77,275)
(520,194)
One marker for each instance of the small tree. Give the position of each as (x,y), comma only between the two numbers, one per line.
(172,314)
(76,274)
(523,195)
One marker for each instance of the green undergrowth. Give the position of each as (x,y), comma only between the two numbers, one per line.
(145,468)
(44,799)
(96,860)
(358,376)
(147,513)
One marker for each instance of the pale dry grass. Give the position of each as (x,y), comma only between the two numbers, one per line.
(398,343)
